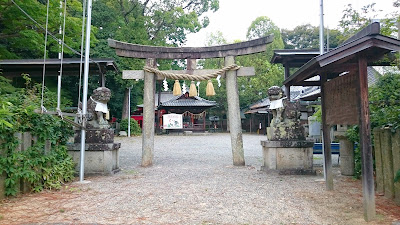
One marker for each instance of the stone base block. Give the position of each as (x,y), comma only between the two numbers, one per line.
(297,172)
(96,136)
(100,159)
(293,156)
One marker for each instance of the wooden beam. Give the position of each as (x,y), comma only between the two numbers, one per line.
(326,129)
(365,142)
(159,52)
(373,28)
(139,74)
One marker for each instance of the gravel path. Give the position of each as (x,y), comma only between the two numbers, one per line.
(193,182)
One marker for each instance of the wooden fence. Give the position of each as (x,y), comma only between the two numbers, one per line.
(26,140)
(387,162)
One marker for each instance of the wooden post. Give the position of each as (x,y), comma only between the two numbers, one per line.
(158,124)
(378,161)
(326,129)
(365,142)
(148,115)
(387,163)
(287,87)
(204,120)
(396,163)
(235,124)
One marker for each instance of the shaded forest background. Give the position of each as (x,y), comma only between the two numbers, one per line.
(161,23)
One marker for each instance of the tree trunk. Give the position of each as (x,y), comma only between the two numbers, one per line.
(125,106)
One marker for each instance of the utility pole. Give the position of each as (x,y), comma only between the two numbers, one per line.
(85,90)
(321,28)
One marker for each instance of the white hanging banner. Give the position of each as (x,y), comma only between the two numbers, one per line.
(172,121)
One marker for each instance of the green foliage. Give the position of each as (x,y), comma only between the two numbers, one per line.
(385,99)
(41,170)
(20,37)
(397,177)
(318,113)
(354,20)
(263,26)
(353,135)
(161,23)
(5,86)
(384,109)
(251,89)
(135,128)
(32,165)
(307,37)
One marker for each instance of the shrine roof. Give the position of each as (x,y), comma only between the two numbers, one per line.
(185,101)
(261,106)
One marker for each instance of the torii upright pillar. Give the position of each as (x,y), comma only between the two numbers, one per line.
(151,53)
(148,115)
(235,124)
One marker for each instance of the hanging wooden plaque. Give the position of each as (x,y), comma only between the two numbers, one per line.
(341,100)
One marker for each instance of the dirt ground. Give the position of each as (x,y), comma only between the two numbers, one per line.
(195,187)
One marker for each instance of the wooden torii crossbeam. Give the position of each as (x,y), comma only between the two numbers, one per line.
(228,52)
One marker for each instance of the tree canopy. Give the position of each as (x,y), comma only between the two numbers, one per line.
(163,23)
(307,37)
(21,37)
(251,89)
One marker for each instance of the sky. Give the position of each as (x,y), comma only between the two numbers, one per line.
(235,16)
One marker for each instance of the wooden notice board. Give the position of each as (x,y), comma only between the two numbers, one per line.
(341,100)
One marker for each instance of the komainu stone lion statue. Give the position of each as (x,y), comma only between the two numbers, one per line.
(97,108)
(285,124)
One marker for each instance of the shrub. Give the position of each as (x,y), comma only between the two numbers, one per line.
(135,128)
(33,165)
(385,99)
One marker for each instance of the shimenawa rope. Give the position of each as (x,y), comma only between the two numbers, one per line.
(190,76)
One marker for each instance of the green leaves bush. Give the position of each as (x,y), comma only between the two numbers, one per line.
(385,101)
(135,128)
(42,170)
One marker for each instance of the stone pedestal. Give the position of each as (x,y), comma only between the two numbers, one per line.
(288,157)
(101,153)
(346,151)
(346,157)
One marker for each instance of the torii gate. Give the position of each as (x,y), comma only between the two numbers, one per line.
(152,53)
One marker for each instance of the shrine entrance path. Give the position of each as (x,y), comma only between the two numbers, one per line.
(193,182)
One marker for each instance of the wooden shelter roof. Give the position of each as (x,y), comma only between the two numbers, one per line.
(294,57)
(342,59)
(34,67)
